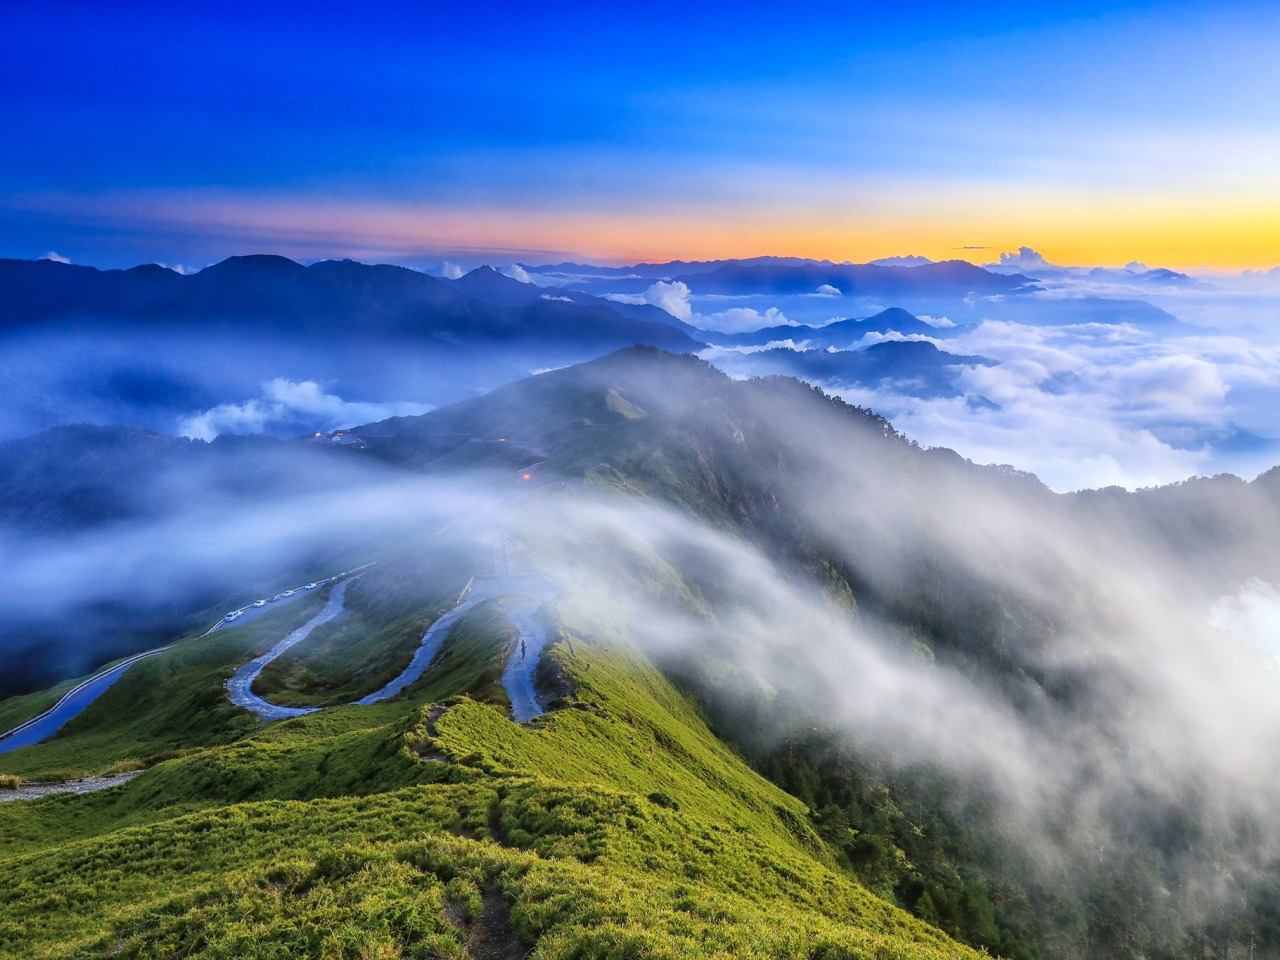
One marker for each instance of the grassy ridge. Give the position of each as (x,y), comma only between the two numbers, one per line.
(618,828)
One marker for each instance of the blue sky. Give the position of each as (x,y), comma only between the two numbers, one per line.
(184,134)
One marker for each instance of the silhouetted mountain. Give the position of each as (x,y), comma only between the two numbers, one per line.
(329,298)
(949,278)
(841,334)
(921,368)
(488,285)
(83,476)
(911,260)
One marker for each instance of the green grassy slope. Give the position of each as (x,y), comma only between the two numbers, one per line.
(432,826)
(167,702)
(387,611)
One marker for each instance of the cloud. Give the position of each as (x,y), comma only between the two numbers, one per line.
(294,406)
(826,290)
(1250,615)
(516,272)
(450,271)
(55,257)
(942,323)
(1175,383)
(548,296)
(740,319)
(1025,259)
(672,297)
(1093,405)
(712,354)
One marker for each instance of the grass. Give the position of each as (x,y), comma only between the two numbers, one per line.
(16,710)
(619,827)
(171,701)
(473,655)
(342,661)
(388,611)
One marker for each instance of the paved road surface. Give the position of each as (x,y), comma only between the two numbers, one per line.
(240,685)
(517,678)
(74,702)
(422,657)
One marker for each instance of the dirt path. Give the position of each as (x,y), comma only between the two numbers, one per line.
(33,791)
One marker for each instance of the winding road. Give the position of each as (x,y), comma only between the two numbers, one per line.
(517,677)
(78,698)
(240,685)
(73,702)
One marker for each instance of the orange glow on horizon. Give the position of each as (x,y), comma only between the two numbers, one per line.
(1228,234)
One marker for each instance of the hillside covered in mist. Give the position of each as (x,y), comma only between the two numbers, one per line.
(1041,722)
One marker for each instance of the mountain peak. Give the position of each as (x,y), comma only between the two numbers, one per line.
(254,265)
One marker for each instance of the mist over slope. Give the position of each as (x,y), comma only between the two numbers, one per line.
(1089,676)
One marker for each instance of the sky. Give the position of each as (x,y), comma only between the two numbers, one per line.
(1097,133)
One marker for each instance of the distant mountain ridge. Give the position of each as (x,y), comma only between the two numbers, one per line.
(332,296)
(790,275)
(840,333)
(487,284)
(950,277)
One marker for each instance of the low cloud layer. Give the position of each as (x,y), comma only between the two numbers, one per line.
(1116,695)
(1174,712)
(1096,405)
(675,298)
(291,405)
(1078,395)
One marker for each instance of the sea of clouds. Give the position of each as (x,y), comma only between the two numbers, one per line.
(1083,404)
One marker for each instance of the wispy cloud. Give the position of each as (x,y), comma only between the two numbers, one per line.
(291,405)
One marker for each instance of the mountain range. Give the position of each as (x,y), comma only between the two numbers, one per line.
(747,569)
(329,298)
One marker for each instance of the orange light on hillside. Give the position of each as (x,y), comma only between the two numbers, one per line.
(502,439)
(526,476)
